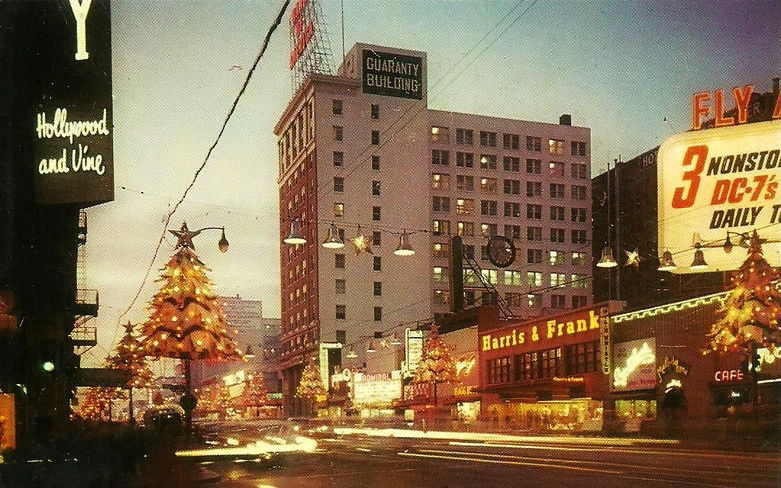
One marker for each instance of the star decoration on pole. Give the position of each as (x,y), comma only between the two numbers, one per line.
(362,243)
(185,236)
(633,258)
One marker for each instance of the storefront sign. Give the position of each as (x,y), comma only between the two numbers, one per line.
(393,75)
(724,180)
(635,365)
(72,126)
(728,375)
(569,326)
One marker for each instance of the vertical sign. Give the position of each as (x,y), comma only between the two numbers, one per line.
(604,336)
(71,123)
(413,343)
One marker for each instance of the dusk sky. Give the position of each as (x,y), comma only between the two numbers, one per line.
(625,69)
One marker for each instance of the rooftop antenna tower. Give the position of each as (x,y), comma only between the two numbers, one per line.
(310,51)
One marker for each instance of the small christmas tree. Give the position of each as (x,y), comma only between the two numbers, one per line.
(751,310)
(436,365)
(254,394)
(311,385)
(128,355)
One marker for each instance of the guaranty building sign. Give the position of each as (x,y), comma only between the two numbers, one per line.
(393,75)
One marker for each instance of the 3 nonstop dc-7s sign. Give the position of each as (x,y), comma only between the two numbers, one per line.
(718,180)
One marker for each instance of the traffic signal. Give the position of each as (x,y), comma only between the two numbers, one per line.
(48,360)
(755,361)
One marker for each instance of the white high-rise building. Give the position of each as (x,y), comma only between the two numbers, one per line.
(362,151)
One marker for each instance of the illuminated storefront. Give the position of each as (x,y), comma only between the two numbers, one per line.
(661,380)
(546,374)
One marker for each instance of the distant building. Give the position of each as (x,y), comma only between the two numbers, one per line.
(362,156)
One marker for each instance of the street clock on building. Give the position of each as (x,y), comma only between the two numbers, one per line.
(501,251)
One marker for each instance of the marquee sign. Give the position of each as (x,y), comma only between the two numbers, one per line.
(717,180)
(393,75)
(71,121)
(634,365)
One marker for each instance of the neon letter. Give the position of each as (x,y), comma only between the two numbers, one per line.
(80,10)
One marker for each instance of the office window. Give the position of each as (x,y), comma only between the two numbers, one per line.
(534,233)
(578,148)
(513,278)
(583,358)
(579,301)
(578,192)
(377,314)
(511,141)
(533,143)
(377,263)
(375,188)
(557,213)
(339,260)
(557,235)
(375,163)
(557,190)
(341,312)
(488,185)
(338,184)
(534,166)
(440,181)
(510,163)
(441,204)
(556,146)
(465,229)
(578,214)
(336,107)
(376,212)
(513,299)
(512,209)
(440,134)
(534,278)
(512,231)
(378,288)
(338,209)
(338,132)
(441,227)
(465,206)
(556,257)
(578,258)
(341,286)
(488,161)
(341,336)
(338,158)
(512,187)
(469,250)
(556,168)
(533,211)
(465,160)
(533,188)
(487,138)
(558,301)
(464,182)
(488,230)
(464,137)
(534,300)
(579,281)
(558,280)
(376,238)
(440,250)
(488,207)
(579,170)
(439,156)
(374,112)
(375,138)
(534,256)
(440,274)
(578,236)
(499,370)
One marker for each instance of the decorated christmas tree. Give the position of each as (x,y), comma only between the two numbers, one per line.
(436,365)
(128,356)
(186,320)
(255,391)
(311,385)
(750,313)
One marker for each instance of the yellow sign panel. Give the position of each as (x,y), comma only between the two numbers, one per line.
(716,182)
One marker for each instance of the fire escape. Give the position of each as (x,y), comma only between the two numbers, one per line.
(83,336)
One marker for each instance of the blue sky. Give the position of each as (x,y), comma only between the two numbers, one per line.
(625,69)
